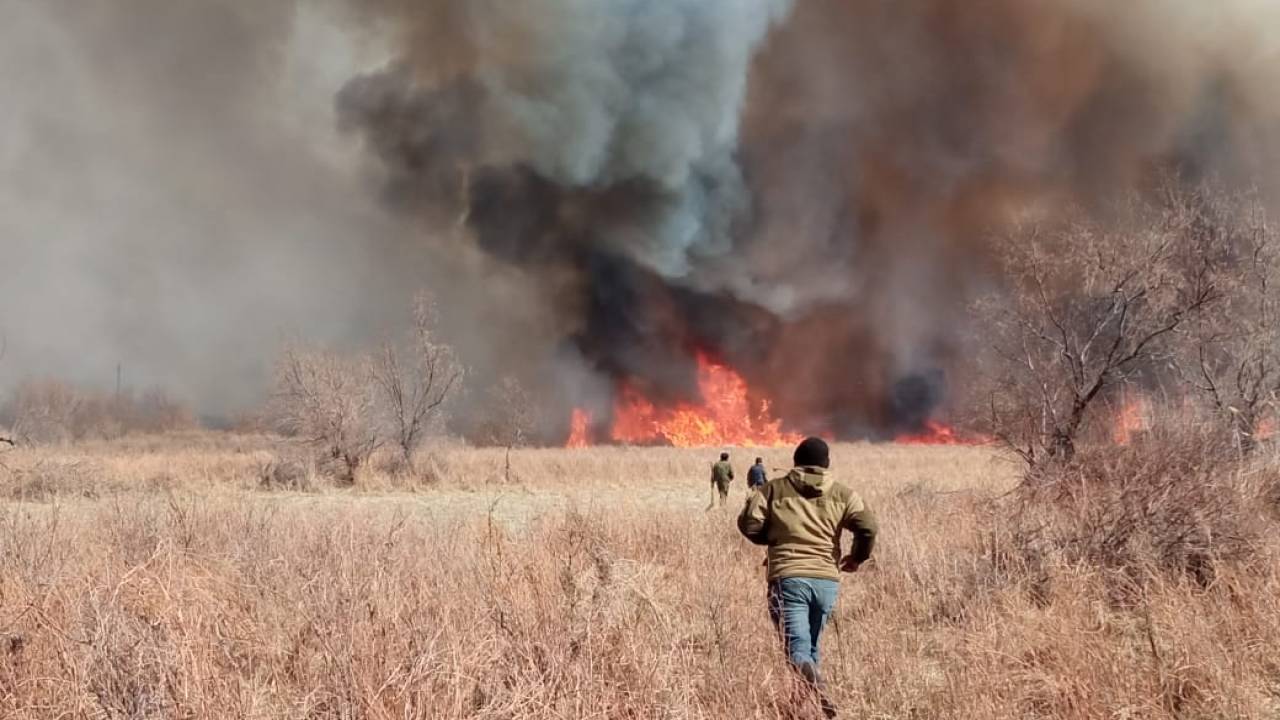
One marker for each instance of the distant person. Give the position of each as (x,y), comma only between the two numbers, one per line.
(721,476)
(801,518)
(756,476)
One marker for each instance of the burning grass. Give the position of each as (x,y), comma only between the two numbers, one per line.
(593,585)
(728,414)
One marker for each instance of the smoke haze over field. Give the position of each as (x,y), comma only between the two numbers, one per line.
(173,195)
(597,190)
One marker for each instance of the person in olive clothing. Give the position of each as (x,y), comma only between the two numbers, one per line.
(721,476)
(801,517)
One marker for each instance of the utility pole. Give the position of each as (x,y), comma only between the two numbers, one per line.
(119,377)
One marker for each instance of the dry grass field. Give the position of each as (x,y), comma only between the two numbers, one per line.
(181,577)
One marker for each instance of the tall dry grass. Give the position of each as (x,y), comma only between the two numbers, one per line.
(590,585)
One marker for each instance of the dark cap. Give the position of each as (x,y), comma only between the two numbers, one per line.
(813,452)
(724,456)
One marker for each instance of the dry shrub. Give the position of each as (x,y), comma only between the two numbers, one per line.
(393,465)
(155,412)
(49,479)
(286,474)
(1270,493)
(43,411)
(595,596)
(432,468)
(328,402)
(509,415)
(1172,502)
(51,411)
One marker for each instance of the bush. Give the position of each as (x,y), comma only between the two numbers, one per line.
(286,474)
(328,402)
(1171,295)
(51,411)
(1170,503)
(47,480)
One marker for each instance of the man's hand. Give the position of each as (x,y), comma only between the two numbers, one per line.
(849,565)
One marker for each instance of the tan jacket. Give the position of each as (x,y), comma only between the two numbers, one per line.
(801,517)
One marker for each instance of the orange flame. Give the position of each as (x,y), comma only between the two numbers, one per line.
(1266,429)
(580,432)
(936,433)
(1134,418)
(727,416)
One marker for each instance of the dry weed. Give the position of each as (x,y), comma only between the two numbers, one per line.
(599,588)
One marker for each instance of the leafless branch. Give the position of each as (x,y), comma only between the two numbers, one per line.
(415,384)
(1090,307)
(326,401)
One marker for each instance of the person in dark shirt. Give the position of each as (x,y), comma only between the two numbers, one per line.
(756,476)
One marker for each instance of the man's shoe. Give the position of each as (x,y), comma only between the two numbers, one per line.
(809,672)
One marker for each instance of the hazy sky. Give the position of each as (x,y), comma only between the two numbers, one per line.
(174,195)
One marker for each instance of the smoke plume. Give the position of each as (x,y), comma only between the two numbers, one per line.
(801,192)
(597,190)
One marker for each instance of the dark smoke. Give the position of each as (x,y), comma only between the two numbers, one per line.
(801,192)
(597,190)
(593,146)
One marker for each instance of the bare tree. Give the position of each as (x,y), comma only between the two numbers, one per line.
(328,401)
(53,411)
(1232,356)
(45,411)
(510,418)
(414,384)
(1086,308)
(511,414)
(156,411)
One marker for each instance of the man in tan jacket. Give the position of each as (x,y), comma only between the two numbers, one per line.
(801,518)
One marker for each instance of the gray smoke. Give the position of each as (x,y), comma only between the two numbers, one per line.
(824,235)
(175,198)
(598,190)
(584,96)
(591,146)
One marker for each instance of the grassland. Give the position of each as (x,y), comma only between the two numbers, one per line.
(177,578)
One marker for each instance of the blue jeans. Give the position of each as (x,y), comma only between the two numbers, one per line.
(799,608)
